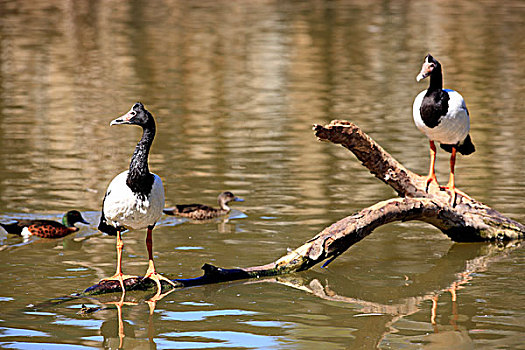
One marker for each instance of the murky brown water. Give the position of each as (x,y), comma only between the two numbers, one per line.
(235,87)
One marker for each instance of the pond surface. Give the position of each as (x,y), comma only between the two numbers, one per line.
(235,87)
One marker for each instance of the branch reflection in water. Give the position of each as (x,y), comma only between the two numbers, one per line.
(450,274)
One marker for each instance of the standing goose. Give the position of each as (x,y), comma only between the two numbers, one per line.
(204,212)
(46,228)
(134,198)
(441,114)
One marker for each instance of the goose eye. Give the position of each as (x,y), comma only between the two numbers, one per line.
(133,113)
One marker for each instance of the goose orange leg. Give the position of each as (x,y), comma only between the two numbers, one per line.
(451,183)
(152,272)
(119,276)
(432,172)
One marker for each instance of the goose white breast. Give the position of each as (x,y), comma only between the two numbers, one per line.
(453,127)
(123,207)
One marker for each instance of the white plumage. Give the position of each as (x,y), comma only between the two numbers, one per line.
(453,127)
(123,207)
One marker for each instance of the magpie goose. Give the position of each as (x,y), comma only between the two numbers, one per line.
(441,114)
(135,198)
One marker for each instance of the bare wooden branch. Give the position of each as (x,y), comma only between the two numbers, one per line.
(468,220)
(373,156)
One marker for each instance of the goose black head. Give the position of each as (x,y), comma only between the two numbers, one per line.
(137,115)
(428,67)
(72,217)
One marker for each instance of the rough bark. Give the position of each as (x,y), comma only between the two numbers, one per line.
(465,220)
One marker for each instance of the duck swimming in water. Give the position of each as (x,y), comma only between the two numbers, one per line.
(204,212)
(46,228)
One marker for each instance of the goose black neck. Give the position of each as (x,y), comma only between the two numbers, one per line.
(436,79)
(139,179)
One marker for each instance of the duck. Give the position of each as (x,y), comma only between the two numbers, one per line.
(46,228)
(204,212)
(134,198)
(442,115)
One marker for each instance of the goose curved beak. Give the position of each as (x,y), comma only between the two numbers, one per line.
(124,119)
(421,76)
(425,71)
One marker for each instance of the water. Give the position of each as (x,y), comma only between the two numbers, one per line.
(235,88)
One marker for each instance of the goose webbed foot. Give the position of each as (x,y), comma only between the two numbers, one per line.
(157,278)
(118,277)
(429,179)
(454,193)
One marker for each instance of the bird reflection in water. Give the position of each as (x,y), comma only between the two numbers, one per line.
(115,333)
(441,334)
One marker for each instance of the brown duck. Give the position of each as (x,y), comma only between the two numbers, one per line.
(204,212)
(46,228)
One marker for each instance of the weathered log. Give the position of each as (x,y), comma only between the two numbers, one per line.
(467,220)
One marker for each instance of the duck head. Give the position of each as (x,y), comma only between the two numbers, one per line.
(429,66)
(226,197)
(137,115)
(72,217)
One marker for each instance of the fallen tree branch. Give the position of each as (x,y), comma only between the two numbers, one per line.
(467,221)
